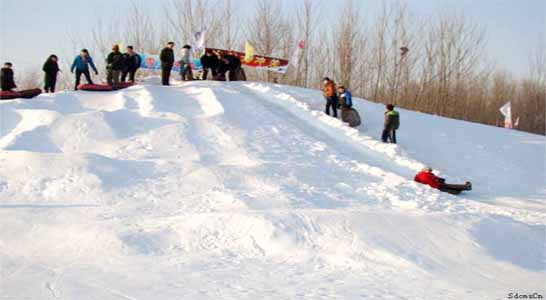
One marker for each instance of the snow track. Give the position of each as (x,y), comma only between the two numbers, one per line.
(209,190)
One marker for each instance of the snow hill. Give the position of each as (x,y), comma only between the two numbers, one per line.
(246,190)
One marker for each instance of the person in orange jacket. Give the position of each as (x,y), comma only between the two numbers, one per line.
(426,176)
(329,92)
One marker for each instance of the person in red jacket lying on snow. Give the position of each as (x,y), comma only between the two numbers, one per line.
(427,177)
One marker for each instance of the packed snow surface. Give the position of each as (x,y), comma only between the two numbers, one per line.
(246,190)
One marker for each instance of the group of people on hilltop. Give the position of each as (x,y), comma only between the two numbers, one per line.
(122,67)
(214,63)
(342,98)
(118,66)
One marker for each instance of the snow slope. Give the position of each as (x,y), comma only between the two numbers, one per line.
(209,190)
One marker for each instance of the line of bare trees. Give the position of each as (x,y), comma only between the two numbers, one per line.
(435,64)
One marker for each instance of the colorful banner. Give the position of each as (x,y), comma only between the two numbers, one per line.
(259,61)
(152,62)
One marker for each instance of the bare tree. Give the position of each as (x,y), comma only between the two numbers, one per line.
(307,14)
(346,37)
(266,30)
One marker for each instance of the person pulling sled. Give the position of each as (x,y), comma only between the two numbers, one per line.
(81,65)
(426,176)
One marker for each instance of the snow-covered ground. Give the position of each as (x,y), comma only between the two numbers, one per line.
(209,190)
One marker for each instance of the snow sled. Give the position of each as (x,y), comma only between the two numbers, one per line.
(456,189)
(26,94)
(350,116)
(104,87)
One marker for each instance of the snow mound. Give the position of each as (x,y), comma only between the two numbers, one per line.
(246,190)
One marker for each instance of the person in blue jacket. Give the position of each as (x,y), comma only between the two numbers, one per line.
(345,97)
(81,64)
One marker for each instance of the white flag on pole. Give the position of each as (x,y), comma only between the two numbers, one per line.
(200,40)
(296,56)
(506,111)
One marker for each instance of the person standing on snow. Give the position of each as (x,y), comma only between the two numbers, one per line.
(81,64)
(209,61)
(114,66)
(50,68)
(392,123)
(131,64)
(6,78)
(427,177)
(329,92)
(167,61)
(185,63)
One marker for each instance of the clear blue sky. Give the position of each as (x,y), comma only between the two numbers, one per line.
(32,29)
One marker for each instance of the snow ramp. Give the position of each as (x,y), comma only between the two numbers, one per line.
(210,190)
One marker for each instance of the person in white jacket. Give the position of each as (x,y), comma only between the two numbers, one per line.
(185,63)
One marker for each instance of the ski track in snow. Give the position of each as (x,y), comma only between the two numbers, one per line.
(209,190)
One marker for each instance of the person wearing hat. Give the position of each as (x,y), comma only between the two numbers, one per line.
(392,123)
(131,64)
(6,78)
(427,177)
(114,66)
(81,65)
(167,61)
(50,68)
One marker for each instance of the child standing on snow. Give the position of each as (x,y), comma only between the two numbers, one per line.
(392,123)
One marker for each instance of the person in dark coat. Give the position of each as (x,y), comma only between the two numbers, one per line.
(50,68)
(209,61)
(232,64)
(6,78)
(81,65)
(426,176)
(392,123)
(167,61)
(236,71)
(131,61)
(222,68)
(114,66)
(329,92)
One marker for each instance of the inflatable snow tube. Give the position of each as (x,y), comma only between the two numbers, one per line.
(103,87)
(26,94)
(351,116)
